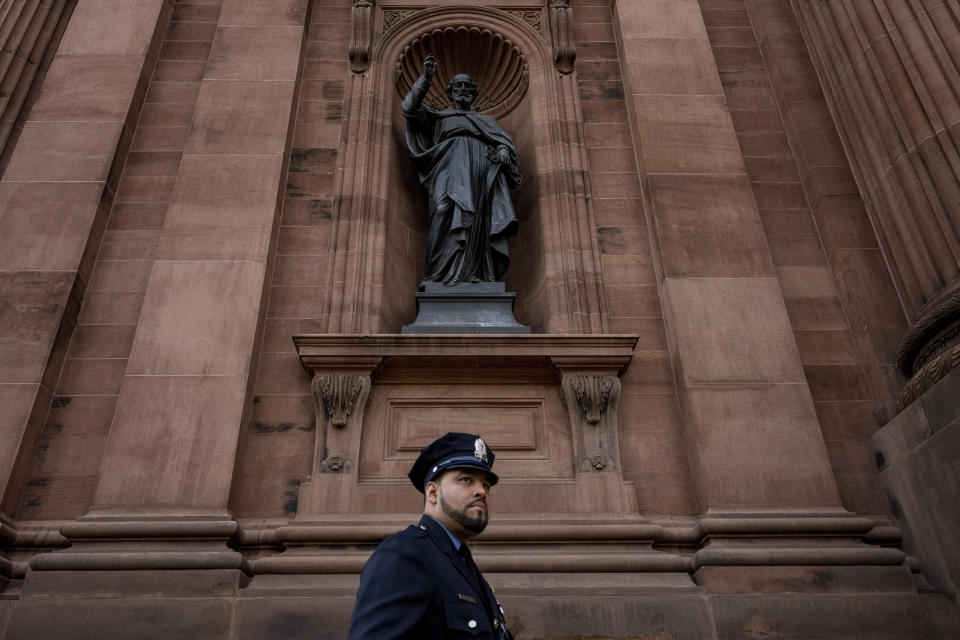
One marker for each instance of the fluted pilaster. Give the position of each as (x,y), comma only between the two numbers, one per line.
(29,33)
(891,73)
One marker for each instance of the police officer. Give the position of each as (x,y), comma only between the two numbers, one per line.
(422,583)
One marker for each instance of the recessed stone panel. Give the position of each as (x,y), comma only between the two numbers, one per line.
(508,425)
(525,425)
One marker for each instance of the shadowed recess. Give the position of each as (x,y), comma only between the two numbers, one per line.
(495,63)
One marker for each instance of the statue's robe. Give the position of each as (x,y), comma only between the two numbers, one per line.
(471,215)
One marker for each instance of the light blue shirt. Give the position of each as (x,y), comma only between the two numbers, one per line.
(454,539)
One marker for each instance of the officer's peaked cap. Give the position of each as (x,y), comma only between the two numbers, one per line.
(452,451)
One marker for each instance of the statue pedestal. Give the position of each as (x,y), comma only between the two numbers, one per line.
(468,307)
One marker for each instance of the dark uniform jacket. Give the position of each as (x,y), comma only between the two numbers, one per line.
(417,586)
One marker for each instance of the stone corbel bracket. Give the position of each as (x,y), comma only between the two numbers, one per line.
(361,35)
(564,52)
(341,390)
(590,392)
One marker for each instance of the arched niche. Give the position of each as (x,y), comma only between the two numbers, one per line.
(380,217)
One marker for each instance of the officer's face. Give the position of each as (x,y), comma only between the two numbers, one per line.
(463,498)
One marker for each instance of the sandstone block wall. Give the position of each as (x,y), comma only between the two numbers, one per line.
(209,215)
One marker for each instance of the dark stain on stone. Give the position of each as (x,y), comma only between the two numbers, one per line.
(283,427)
(333,90)
(38,482)
(612,92)
(822,578)
(306,160)
(33,502)
(56,427)
(307,427)
(256,399)
(610,241)
(292,495)
(321,209)
(879,460)
(61,401)
(893,506)
(43,447)
(334,112)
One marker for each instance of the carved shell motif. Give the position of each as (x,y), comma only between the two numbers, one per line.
(495,63)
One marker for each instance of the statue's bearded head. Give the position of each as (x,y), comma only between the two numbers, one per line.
(462,91)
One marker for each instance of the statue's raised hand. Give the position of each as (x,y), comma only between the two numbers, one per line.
(429,66)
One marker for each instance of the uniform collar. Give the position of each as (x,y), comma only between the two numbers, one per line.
(439,534)
(454,539)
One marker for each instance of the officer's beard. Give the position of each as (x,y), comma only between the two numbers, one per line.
(474,524)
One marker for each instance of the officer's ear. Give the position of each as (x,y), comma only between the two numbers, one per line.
(430,492)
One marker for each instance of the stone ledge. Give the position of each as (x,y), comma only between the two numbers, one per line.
(332,351)
(113,560)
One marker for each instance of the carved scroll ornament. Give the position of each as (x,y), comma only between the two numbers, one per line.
(361,35)
(337,397)
(564,53)
(593,395)
(338,394)
(591,401)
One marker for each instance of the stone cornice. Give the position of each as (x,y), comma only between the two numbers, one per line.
(612,351)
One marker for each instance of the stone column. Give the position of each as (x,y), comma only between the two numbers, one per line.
(30,31)
(890,70)
(55,195)
(754,441)
(186,392)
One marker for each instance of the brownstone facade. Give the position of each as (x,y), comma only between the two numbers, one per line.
(737,415)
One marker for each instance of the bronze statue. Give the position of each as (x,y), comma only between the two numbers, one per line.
(467,164)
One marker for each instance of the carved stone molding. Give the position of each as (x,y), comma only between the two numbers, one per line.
(590,397)
(361,35)
(564,52)
(140,541)
(460,49)
(338,394)
(533,16)
(604,543)
(589,367)
(392,16)
(592,394)
(932,332)
(930,374)
(336,397)
(393,392)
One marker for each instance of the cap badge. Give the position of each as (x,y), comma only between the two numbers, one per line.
(480,450)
